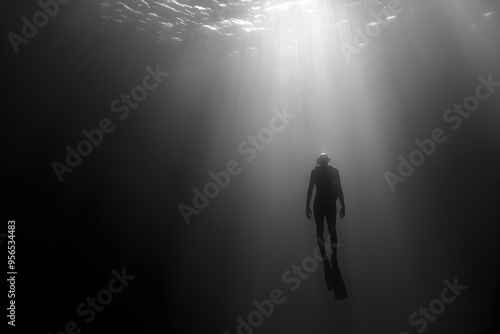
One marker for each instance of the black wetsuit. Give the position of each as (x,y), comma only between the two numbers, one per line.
(328,189)
(327,182)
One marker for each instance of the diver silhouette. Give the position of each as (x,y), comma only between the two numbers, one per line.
(326,178)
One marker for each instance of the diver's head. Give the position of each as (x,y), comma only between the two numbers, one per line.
(323,159)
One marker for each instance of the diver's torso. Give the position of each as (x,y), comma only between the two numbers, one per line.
(325,178)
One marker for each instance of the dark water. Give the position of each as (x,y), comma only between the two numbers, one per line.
(180,89)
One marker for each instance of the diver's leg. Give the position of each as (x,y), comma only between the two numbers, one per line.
(331,219)
(319,217)
(338,282)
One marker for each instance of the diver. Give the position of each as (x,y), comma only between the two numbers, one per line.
(326,178)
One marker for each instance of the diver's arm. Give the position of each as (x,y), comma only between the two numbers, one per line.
(309,195)
(340,193)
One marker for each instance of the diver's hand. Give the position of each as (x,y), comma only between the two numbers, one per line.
(342,212)
(308,212)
